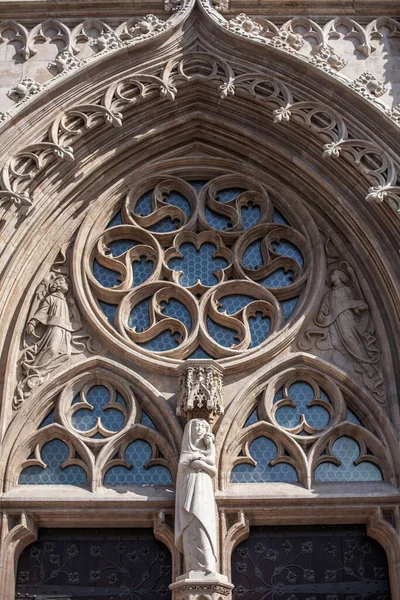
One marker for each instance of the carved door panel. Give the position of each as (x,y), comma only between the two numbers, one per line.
(94,564)
(310,563)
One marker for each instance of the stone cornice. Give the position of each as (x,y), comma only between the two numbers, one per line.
(32,9)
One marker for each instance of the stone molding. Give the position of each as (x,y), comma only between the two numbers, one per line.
(22,168)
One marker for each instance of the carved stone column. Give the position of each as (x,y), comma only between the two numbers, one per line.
(200,401)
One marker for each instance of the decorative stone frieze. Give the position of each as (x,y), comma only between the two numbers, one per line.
(368,85)
(194,587)
(200,391)
(26,88)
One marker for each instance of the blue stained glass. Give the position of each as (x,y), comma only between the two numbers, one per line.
(324,395)
(253,418)
(142,269)
(119,247)
(98,397)
(139,316)
(347,451)
(106,277)
(216,220)
(279,218)
(145,420)
(163,342)
(252,258)
(174,308)
(199,353)
(278,278)
(302,393)
(116,220)
(197,185)
(222,335)
(109,310)
(352,417)
(289,306)
(233,303)
(197,264)
(286,248)
(166,225)
(229,194)
(137,454)
(176,199)
(49,420)
(54,454)
(250,215)
(263,451)
(259,329)
(143,205)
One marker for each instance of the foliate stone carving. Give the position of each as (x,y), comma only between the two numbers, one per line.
(26,88)
(65,62)
(54,333)
(173,5)
(201,391)
(107,41)
(343,329)
(244,24)
(141,27)
(125,93)
(221,5)
(328,58)
(368,85)
(394,114)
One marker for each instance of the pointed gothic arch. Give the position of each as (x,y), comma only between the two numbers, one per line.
(205,109)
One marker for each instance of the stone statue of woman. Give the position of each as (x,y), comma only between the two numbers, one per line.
(195,522)
(350,330)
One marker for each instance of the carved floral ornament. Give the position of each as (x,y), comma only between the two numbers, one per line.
(18,175)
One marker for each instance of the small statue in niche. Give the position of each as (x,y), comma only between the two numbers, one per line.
(348,329)
(51,337)
(195,522)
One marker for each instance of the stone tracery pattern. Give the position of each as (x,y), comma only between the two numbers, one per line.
(20,171)
(97,434)
(303,431)
(210,264)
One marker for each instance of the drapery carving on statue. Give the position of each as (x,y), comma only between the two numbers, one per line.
(53,334)
(195,522)
(345,330)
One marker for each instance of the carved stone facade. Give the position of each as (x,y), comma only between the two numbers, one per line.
(199,216)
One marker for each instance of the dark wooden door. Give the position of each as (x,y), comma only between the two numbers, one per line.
(94,564)
(310,563)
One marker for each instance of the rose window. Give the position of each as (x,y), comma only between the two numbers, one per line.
(193,269)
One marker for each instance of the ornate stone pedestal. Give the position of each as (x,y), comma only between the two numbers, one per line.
(196,585)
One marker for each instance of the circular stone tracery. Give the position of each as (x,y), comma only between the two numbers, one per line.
(198,268)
